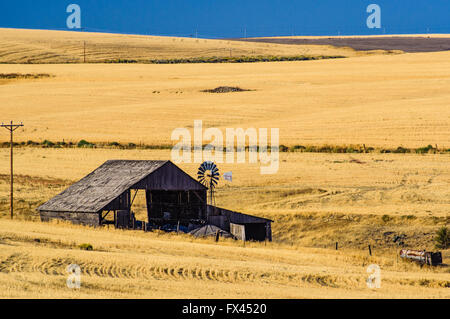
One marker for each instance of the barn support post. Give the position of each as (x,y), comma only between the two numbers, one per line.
(134,197)
(102,218)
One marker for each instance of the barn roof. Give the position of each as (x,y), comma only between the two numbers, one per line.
(92,193)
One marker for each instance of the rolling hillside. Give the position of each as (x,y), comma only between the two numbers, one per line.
(381,100)
(42,46)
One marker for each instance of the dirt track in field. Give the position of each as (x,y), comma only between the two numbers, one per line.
(406,44)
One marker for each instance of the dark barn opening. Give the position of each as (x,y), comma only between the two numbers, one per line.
(255,231)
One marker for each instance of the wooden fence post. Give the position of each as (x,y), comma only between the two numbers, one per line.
(337,246)
(370,251)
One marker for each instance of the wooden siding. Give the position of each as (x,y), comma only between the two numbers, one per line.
(92,219)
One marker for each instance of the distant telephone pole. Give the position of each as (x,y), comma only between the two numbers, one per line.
(11,128)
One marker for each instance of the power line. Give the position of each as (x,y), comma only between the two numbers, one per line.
(11,128)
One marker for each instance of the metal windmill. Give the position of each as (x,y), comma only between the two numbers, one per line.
(208,175)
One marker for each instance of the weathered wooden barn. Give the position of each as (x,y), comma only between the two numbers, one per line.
(172,196)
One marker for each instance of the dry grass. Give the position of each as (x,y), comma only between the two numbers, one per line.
(312,199)
(394,184)
(126,264)
(42,46)
(385,101)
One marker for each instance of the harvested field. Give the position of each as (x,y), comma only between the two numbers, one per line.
(385,184)
(376,100)
(131,264)
(43,46)
(388,43)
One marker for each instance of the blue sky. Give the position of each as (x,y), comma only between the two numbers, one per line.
(231,18)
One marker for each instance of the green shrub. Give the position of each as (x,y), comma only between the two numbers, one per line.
(442,238)
(48,143)
(423,150)
(86,247)
(298,148)
(115,144)
(401,150)
(386,218)
(284,148)
(84,143)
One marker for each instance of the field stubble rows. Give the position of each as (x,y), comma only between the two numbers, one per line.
(138,262)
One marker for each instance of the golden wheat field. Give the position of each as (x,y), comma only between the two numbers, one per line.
(45,46)
(387,195)
(381,100)
(127,264)
(315,199)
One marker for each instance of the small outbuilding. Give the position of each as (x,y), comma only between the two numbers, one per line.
(174,199)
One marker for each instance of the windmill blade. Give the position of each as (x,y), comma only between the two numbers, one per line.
(201,170)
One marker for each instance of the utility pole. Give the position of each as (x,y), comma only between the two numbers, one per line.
(11,128)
